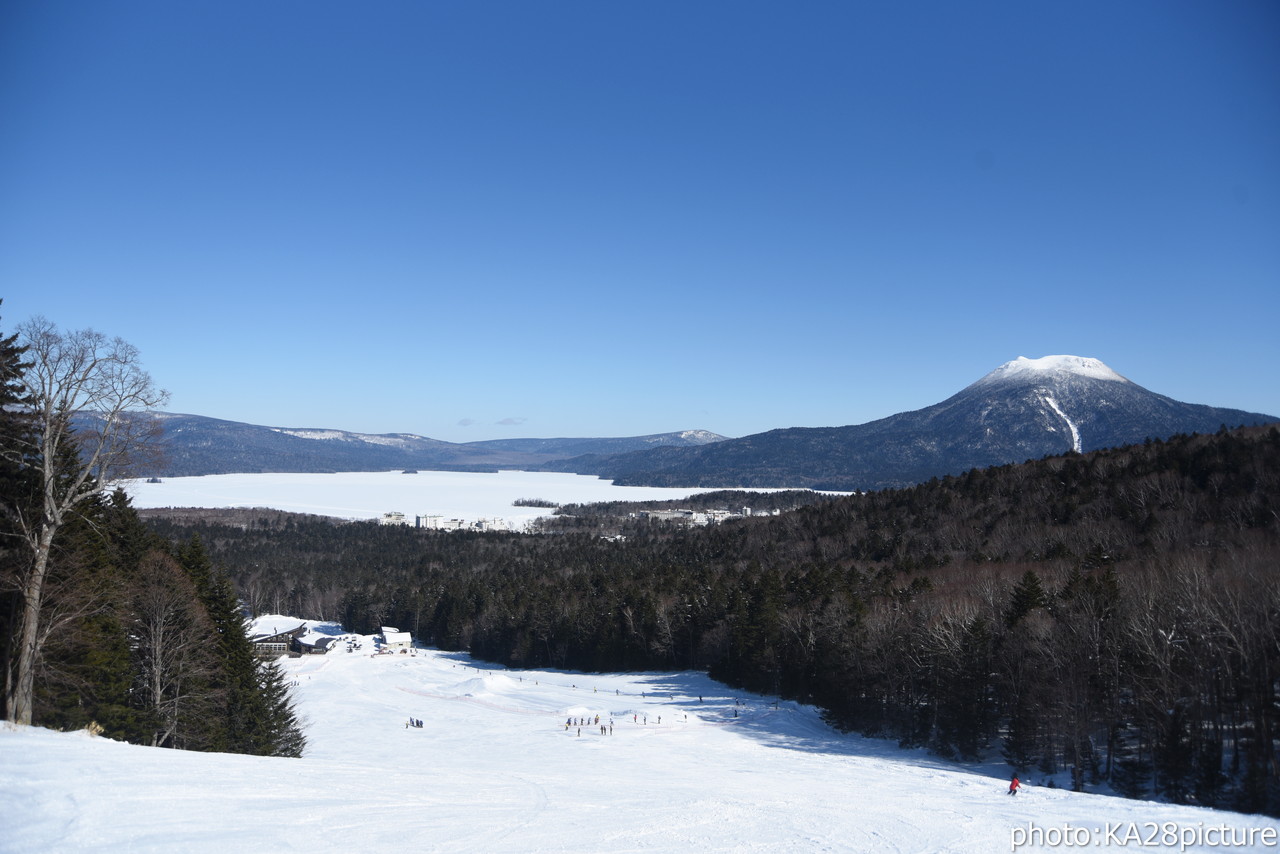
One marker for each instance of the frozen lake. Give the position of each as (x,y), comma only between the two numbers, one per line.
(367,495)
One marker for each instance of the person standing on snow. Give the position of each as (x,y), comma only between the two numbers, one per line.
(1013,785)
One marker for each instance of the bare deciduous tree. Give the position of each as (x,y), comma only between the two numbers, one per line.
(88,397)
(175,660)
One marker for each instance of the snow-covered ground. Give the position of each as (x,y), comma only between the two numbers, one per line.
(470,496)
(688,766)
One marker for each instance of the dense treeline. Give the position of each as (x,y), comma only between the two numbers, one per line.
(146,643)
(103,624)
(1116,615)
(722,499)
(614,518)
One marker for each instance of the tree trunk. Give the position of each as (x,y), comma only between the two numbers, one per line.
(21,687)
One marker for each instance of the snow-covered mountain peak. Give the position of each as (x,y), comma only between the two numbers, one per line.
(1023,368)
(704,437)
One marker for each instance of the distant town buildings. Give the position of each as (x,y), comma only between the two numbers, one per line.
(440,523)
(696,517)
(435,522)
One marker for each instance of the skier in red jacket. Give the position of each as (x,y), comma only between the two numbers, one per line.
(1013,785)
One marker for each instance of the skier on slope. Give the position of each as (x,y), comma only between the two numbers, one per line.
(1013,785)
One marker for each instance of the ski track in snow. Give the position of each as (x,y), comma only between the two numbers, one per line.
(495,770)
(1075,434)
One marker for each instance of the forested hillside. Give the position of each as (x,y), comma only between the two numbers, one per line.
(1116,614)
(198,445)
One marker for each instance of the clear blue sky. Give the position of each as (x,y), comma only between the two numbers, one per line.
(475,220)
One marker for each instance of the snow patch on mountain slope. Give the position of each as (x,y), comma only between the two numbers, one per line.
(395,440)
(1075,433)
(705,436)
(311,434)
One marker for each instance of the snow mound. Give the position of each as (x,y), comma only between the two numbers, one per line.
(500,682)
(470,688)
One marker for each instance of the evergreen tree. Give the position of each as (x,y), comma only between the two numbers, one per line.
(235,676)
(16,493)
(107,656)
(256,716)
(1028,594)
(84,672)
(1019,748)
(280,733)
(1132,777)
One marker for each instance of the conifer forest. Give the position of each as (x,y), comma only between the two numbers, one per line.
(1115,615)
(146,644)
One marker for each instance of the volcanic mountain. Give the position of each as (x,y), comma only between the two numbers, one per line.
(1024,409)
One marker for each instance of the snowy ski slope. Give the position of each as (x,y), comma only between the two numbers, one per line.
(689,766)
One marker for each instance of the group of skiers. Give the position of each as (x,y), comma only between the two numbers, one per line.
(413,722)
(605,729)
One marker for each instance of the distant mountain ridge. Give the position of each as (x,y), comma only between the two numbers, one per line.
(198,445)
(1024,409)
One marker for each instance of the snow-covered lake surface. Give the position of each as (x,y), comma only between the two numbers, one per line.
(469,496)
(688,765)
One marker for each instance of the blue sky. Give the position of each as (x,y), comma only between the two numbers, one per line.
(475,220)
